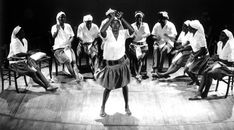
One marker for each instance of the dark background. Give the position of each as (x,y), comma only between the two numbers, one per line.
(37,16)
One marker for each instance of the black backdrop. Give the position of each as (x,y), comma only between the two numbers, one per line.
(37,16)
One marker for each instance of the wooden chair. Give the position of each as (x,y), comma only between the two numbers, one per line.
(228,82)
(43,62)
(7,74)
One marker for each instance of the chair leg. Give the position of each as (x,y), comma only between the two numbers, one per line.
(56,68)
(2,80)
(63,67)
(232,82)
(25,80)
(16,85)
(217,85)
(9,77)
(50,68)
(229,78)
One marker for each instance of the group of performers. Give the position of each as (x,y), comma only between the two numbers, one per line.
(189,49)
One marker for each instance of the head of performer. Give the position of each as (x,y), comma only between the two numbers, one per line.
(88,20)
(163,17)
(139,17)
(115,25)
(61,18)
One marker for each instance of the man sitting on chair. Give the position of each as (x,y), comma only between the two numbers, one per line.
(217,66)
(63,36)
(87,33)
(164,33)
(22,63)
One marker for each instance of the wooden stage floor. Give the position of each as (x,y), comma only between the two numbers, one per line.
(156,104)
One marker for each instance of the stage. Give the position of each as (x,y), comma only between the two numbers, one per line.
(155,104)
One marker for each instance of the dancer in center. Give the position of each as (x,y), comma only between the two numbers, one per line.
(116,73)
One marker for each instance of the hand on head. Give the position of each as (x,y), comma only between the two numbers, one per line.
(119,14)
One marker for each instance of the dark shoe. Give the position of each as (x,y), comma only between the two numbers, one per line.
(51,88)
(163,75)
(166,76)
(160,70)
(204,96)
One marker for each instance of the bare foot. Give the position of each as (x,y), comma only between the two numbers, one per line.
(128,112)
(102,113)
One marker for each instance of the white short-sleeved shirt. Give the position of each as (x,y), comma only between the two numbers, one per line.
(16,47)
(63,36)
(114,49)
(143,29)
(169,29)
(198,41)
(87,35)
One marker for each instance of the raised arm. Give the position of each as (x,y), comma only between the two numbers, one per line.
(119,15)
(106,25)
(55,30)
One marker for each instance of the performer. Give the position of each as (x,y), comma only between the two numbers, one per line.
(116,73)
(108,16)
(21,62)
(218,64)
(200,55)
(63,36)
(164,33)
(87,33)
(139,47)
(182,52)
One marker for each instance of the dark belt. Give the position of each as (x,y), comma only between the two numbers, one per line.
(139,43)
(115,62)
(87,43)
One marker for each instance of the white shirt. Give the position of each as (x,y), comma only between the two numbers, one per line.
(16,47)
(114,49)
(63,36)
(226,52)
(198,41)
(231,55)
(143,29)
(87,35)
(169,29)
(183,38)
